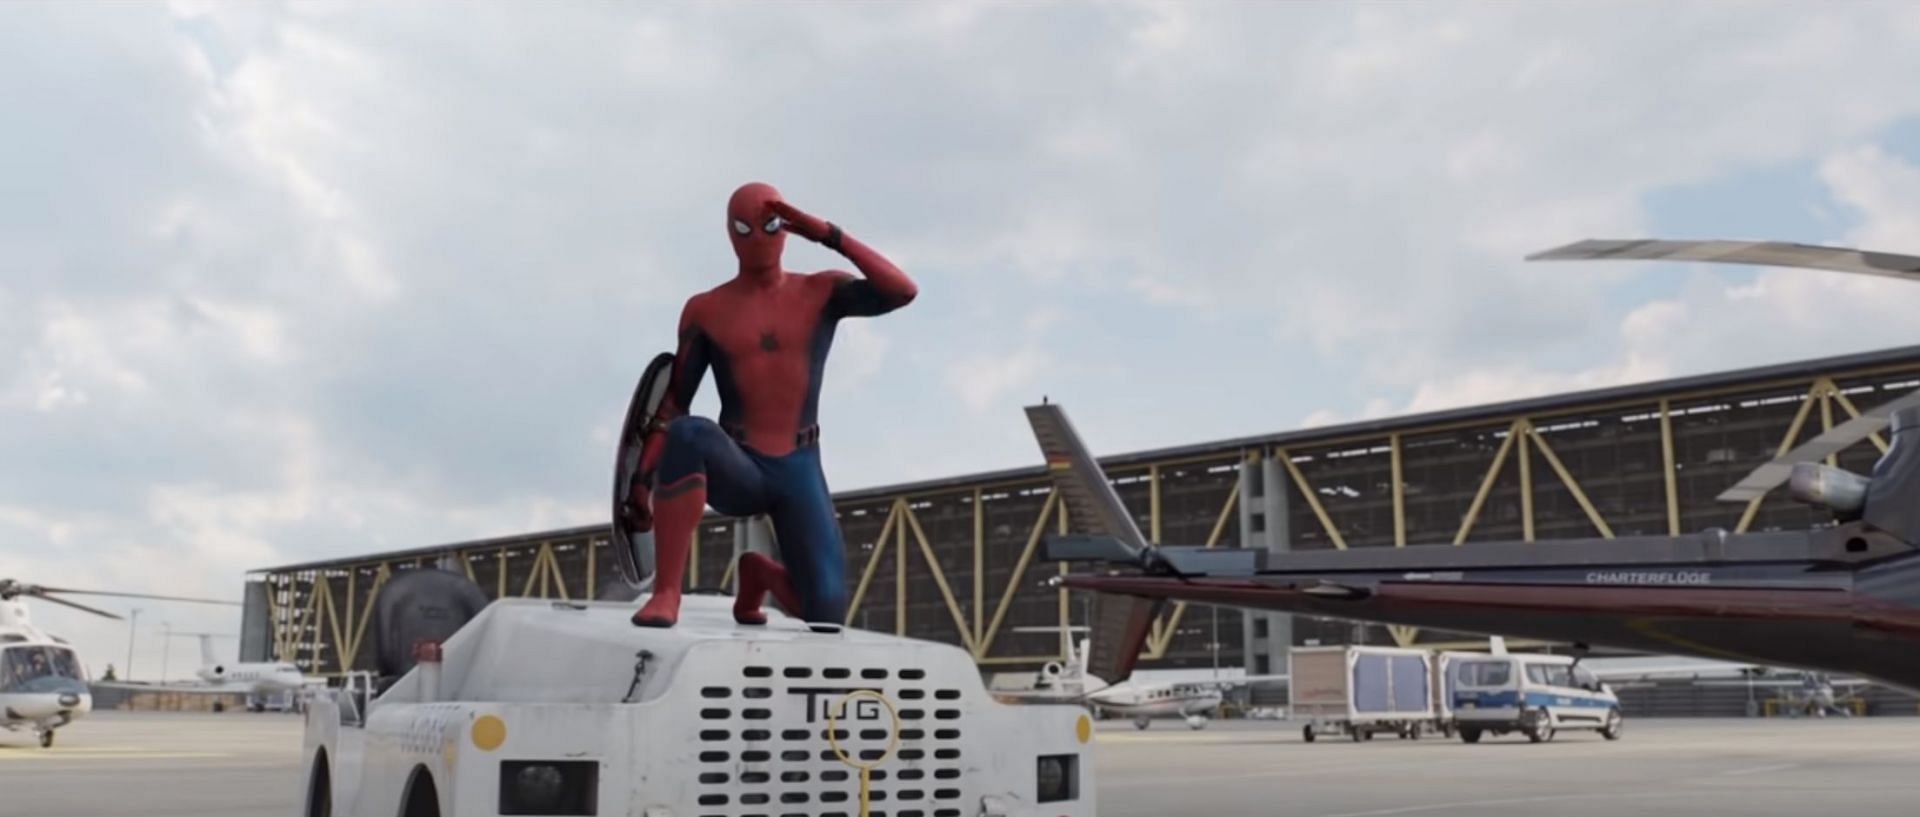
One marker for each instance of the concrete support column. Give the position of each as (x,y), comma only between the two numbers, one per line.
(1265,522)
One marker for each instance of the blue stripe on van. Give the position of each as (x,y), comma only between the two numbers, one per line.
(1507,698)
(1568,700)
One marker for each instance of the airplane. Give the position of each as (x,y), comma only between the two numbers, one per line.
(43,683)
(1192,701)
(257,680)
(1844,598)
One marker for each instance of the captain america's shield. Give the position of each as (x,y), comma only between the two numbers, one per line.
(633,547)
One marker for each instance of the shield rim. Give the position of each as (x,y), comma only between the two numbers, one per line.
(648,393)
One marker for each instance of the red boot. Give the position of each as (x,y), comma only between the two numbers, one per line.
(677,510)
(760,575)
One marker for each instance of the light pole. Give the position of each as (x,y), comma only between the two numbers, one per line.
(166,647)
(134,622)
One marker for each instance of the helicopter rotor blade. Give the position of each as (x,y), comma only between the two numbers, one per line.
(73,592)
(1776,472)
(77,606)
(1758,253)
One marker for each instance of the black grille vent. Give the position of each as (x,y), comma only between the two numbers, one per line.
(782,765)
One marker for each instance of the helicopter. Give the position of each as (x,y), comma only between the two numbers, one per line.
(43,684)
(1841,598)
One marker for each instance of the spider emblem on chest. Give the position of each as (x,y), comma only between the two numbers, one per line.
(769,342)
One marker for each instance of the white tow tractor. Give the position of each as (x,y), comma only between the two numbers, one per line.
(565,708)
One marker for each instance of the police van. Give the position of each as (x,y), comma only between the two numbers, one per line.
(1534,695)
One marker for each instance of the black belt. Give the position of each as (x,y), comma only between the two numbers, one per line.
(806,438)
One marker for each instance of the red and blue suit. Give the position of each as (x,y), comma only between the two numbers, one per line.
(765,335)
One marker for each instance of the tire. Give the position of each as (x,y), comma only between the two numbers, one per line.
(1614,725)
(1537,726)
(1469,735)
(320,788)
(46,739)
(1142,723)
(1306,733)
(1357,735)
(421,798)
(1414,733)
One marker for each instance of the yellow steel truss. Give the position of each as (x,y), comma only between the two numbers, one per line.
(328,632)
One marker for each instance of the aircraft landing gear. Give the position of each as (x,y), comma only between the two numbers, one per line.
(46,738)
(1196,722)
(1141,723)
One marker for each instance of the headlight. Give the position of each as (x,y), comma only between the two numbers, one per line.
(1058,778)
(549,787)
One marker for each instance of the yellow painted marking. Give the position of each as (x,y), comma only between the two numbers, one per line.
(866,769)
(489,732)
(1084,729)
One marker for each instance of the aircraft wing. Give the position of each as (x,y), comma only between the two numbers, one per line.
(1236,683)
(197,689)
(1658,667)
(1038,696)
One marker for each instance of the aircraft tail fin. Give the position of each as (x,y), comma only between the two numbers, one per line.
(1120,624)
(1120,630)
(1092,504)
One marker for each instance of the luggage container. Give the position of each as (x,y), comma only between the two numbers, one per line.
(1360,691)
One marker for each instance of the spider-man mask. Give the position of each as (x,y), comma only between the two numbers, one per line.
(754,228)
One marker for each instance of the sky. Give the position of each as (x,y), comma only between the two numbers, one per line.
(282,281)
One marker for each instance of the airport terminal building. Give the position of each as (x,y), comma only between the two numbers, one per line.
(957,559)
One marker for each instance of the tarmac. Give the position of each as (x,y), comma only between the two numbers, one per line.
(247,765)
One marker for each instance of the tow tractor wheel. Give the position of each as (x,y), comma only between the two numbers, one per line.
(46,739)
(1357,734)
(1469,734)
(1413,733)
(1306,733)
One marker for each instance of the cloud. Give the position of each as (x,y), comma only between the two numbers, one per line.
(984,381)
(378,277)
(1885,192)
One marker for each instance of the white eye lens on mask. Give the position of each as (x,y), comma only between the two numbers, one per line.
(773,225)
(741,227)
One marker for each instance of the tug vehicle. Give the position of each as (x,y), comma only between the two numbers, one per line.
(535,707)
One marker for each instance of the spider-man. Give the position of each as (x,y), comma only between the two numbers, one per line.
(765,334)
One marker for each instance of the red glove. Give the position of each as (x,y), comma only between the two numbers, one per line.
(809,227)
